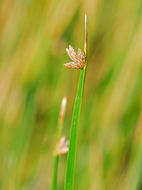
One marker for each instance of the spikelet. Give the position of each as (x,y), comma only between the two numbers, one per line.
(62,147)
(78,59)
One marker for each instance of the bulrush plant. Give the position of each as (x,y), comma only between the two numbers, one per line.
(61,145)
(79,61)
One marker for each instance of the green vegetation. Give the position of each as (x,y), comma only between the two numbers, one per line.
(75,122)
(60,146)
(55,173)
(33,80)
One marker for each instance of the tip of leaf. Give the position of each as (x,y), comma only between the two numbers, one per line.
(85,18)
(64,101)
(63,108)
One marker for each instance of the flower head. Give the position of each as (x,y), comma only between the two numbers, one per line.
(77,58)
(62,147)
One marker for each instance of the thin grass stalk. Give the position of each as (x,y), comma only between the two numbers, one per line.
(70,172)
(55,155)
(55,172)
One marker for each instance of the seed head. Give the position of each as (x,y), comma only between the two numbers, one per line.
(77,58)
(62,147)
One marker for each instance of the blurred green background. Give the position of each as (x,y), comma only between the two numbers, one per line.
(33,80)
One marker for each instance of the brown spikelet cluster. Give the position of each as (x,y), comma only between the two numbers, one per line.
(62,147)
(77,58)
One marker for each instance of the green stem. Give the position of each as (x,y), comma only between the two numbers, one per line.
(55,156)
(55,173)
(75,121)
(73,137)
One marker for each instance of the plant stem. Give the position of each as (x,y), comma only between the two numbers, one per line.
(55,156)
(55,173)
(75,121)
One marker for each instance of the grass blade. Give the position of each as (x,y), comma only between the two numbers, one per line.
(75,121)
(58,140)
(55,173)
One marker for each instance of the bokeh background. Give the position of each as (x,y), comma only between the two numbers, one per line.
(33,81)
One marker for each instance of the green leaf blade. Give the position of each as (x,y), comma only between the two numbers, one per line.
(74,130)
